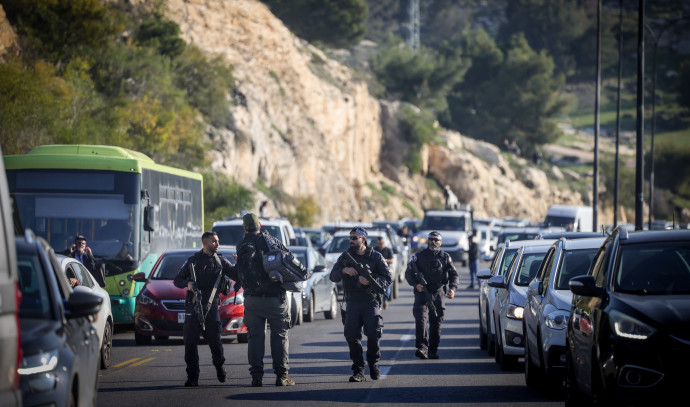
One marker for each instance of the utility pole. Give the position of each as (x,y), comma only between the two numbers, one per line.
(639,161)
(413,13)
(618,111)
(595,186)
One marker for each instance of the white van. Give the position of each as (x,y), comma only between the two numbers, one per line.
(570,217)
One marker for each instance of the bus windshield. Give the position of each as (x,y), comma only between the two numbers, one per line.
(103,207)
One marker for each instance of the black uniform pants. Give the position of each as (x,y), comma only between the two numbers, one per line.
(365,314)
(427,337)
(192,330)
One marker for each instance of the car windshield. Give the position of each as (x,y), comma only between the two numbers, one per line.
(339,244)
(444,223)
(169,265)
(32,284)
(575,263)
(654,268)
(528,268)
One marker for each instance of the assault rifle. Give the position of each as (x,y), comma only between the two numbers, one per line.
(363,271)
(197,302)
(420,278)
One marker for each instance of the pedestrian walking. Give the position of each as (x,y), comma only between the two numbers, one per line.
(365,276)
(433,276)
(473,261)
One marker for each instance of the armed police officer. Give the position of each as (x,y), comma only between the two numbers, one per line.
(265,300)
(433,276)
(204,273)
(365,276)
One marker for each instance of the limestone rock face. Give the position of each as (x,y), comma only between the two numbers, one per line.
(302,123)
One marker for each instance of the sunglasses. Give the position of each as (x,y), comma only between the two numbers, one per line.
(354,237)
(434,239)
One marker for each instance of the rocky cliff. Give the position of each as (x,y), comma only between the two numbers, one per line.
(304,125)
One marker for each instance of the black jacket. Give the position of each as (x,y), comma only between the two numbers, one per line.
(437,268)
(252,277)
(206,270)
(355,291)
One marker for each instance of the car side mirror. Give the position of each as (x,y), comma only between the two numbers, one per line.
(82,303)
(139,277)
(585,286)
(484,274)
(497,282)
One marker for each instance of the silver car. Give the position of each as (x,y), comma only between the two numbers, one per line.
(509,303)
(547,308)
(319,293)
(104,321)
(487,295)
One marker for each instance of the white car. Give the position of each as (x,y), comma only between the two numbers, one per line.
(104,322)
(487,242)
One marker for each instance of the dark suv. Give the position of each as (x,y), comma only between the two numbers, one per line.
(61,347)
(628,334)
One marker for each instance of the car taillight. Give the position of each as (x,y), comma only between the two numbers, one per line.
(20,355)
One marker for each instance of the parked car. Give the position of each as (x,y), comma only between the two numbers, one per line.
(509,304)
(10,343)
(550,234)
(628,334)
(487,295)
(486,240)
(319,293)
(159,309)
(316,236)
(60,345)
(547,309)
(231,231)
(526,233)
(104,323)
(301,237)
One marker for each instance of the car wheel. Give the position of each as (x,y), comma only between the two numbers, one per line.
(243,338)
(483,340)
(309,316)
(533,378)
(141,339)
(107,345)
(333,309)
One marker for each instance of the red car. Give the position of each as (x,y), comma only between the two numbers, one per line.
(159,309)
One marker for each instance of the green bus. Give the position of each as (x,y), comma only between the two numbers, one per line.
(129,208)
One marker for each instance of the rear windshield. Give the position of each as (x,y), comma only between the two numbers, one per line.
(444,223)
(575,263)
(231,235)
(654,268)
(32,284)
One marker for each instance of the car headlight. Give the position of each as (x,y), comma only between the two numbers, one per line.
(557,319)
(146,300)
(235,299)
(39,363)
(515,311)
(628,327)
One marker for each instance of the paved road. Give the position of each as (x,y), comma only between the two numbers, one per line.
(319,363)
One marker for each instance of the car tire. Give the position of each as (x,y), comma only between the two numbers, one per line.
(333,309)
(573,396)
(309,316)
(107,345)
(483,339)
(141,339)
(243,338)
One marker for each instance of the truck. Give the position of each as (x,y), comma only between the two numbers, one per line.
(455,227)
(570,218)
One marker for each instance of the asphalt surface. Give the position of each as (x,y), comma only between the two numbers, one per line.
(153,375)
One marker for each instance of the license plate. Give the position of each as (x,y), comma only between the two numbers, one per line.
(180,317)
